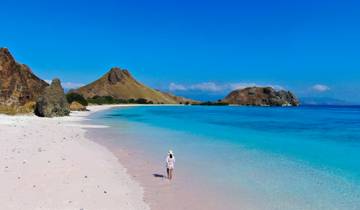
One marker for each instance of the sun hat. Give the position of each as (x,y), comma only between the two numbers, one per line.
(170,152)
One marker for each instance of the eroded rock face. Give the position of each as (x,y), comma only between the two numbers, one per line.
(18,85)
(53,102)
(261,96)
(117,75)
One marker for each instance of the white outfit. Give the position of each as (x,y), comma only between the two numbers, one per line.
(170,162)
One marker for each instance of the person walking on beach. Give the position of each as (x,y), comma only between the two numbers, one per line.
(170,163)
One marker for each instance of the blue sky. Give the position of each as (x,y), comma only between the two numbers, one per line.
(201,49)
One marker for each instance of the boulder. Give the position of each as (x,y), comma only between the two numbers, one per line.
(76,106)
(52,103)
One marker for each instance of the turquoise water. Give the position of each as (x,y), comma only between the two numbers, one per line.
(272,158)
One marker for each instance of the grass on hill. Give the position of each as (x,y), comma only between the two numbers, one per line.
(13,110)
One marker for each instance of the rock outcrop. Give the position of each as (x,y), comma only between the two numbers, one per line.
(261,96)
(53,102)
(76,106)
(18,85)
(119,84)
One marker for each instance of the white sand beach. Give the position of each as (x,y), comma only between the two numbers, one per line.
(49,164)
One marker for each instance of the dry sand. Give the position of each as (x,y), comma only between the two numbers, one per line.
(49,164)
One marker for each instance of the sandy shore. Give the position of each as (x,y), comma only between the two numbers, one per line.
(49,164)
(148,169)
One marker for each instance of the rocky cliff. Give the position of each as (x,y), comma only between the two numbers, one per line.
(18,85)
(118,83)
(261,96)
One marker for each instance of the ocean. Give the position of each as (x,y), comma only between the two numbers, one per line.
(305,157)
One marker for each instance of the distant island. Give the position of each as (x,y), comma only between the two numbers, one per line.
(21,91)
(261,96)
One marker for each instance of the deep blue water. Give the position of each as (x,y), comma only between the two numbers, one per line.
(274,158)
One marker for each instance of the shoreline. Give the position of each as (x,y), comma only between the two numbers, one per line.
(59,163)
(159,193)
(48,163)
(184,192)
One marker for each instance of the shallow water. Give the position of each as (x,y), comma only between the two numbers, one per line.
(271,158)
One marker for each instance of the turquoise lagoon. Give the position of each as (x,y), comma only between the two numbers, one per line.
(305,157)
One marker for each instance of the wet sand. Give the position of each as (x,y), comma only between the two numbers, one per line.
(183,192)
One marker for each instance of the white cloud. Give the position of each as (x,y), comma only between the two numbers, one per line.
(175,87)
(207,87)
(215,87)
(67,85)
(320,88)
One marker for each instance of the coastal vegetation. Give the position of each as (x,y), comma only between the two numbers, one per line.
(71,97)
(99,100)
(211,103)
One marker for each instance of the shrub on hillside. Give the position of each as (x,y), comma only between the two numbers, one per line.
(143,101)
(101,100)
(110,100)
(71,97)
(209,103)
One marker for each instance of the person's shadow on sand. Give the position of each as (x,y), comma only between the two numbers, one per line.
(159,175)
